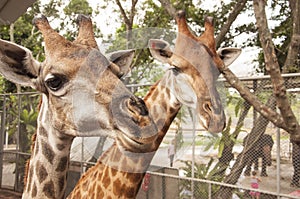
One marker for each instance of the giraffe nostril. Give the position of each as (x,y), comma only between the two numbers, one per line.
(138,106)
(142,106)
(132,101)
(207,107)
(224,125)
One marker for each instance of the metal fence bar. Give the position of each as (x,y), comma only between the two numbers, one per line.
(278,161)
(209,182)
(193,115)
(18,143)
(3,121)
(209,191)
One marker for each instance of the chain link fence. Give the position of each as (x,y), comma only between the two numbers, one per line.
(204,166)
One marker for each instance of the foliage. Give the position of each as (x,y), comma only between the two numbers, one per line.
(29,118)
(236,101)
(24,35)
(213,170)
(214,141)
(71,10)
(201,171)
(23,107)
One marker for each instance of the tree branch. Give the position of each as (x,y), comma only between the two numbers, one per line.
(272,67)
(132,11)
(169,7)
(126,19)
(245,93)
(231,18)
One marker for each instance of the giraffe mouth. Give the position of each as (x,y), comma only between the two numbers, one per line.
(140,141)
(130,142)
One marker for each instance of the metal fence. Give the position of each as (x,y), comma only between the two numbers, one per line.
(200,169)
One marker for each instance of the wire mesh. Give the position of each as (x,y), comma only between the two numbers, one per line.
(222,165)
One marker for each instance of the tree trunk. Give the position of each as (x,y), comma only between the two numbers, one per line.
(128,20)
(294,47)
(272,67)
(240,163)
(167,5)
(239,6)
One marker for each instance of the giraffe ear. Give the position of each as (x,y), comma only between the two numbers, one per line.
(160,50)
(18,65)
(121,61)
(228,55)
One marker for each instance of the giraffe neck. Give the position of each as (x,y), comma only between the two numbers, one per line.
(163,105)
(48,165)
(115,175)
(119,174)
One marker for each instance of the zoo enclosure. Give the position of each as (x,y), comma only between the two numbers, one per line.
(18,121)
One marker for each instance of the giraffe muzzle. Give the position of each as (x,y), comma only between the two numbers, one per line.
(132,118)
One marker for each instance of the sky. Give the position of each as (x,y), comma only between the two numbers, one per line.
(243,66)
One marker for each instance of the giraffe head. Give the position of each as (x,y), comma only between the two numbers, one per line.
(196,62)
(82,92)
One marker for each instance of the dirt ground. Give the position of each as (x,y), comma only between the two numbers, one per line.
(269,183)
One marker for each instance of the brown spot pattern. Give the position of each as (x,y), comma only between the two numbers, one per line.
(61,183)
(41,172)
(43,132)
(130,192)
(113,172)
(60,147)
(116,187)
(99,190)
(62,165)
(34,191)
(85,185)
(106,181)
(47,152)
(49,189)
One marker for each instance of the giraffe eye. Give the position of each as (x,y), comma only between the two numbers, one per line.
(55,82)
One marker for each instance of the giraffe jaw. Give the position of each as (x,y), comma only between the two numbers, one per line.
(130,140)
(130,143)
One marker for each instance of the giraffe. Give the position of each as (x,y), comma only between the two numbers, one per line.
(119,172)
(82,95)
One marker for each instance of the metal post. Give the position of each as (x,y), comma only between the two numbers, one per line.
(278,161)
(3,121)
(18,144)
(254,111)
(209,190)
(163,186)
(82,156)
(193,149)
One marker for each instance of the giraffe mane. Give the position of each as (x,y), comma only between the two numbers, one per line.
(33,139)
